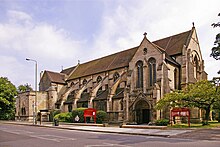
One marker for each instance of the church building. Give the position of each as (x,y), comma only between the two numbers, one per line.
(126,84)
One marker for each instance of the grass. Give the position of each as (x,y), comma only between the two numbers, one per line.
(212,124)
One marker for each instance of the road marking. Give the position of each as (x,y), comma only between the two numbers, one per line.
(52,138)
(107,144)
(13,132)
(16,131)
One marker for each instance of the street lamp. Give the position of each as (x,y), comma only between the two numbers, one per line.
(34,105)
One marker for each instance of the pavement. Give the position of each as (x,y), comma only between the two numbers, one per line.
(131,129)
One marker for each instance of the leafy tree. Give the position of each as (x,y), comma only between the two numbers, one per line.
(7,99)
(202,94)
(216,49)
(24,88)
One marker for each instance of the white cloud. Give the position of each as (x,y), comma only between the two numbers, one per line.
(22,37)
(123,26)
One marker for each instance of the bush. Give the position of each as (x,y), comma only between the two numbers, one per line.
(64,117)
(101,116)
(205,123)
(80,113)
(162,122)
(53,113)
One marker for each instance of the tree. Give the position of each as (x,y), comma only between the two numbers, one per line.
(202,94)
(24,88)
(7,99)
(216,49)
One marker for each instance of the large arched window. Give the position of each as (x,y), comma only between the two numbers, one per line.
(99,79)
(116,76)
(152,71)
(139,74)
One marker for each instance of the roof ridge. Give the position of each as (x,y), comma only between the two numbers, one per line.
(171,36)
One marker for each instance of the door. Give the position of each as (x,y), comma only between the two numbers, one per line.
(146,115)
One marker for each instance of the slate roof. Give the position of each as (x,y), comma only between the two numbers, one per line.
(174,44)
(55,77)
(119,93)
(68,70)
(114,61)
(102,95)
(171,45)
(84,97)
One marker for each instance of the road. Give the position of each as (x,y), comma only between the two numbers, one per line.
(31,136)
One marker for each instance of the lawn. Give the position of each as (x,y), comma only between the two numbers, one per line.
(212,124)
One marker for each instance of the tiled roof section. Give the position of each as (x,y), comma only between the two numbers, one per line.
(101,95)
(68,70)
(114,61)
(56,77)
(168,58)
(173,45)
(119,93)
(84,97)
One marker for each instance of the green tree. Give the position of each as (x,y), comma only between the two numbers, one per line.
(216,49)
(202,95)
(7,99)
(24,88)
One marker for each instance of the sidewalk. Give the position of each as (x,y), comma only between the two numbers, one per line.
(91,127)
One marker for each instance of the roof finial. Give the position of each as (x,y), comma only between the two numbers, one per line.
(193,24)
(145,34)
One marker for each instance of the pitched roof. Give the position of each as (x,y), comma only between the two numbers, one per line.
(174,44)
(56,77)
(114,61)
(167,57)
(68,70)
(102,95)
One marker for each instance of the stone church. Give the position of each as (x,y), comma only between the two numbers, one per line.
(126,84)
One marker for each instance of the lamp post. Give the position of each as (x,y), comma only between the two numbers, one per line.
(35,103)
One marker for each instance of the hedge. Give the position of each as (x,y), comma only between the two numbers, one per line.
(64,117)
(162,122)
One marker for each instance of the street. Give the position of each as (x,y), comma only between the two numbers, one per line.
(30,136)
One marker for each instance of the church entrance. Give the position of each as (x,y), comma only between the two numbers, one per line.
(142,112)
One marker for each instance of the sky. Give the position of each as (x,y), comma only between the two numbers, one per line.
(59,33)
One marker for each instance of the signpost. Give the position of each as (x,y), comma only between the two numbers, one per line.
(181,112)
(90,112)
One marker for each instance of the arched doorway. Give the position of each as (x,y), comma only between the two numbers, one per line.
(142,112)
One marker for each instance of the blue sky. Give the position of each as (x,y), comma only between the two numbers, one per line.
(58,33)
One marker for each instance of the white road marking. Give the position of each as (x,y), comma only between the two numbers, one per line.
(12,132)
(16,131)
(52,137)
(107,145)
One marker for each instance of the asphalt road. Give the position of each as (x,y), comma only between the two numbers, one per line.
(30,136)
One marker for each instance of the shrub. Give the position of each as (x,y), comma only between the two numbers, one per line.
(205,123)
(53,113)
(64,117)
(101,116)
(162,122)
(80,113)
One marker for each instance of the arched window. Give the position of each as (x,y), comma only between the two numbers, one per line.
(152,71)
(196,66)
(99,79)
(139,74)
(84,82)
(116,76)
(23,111)
(70,108)
(175,79)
